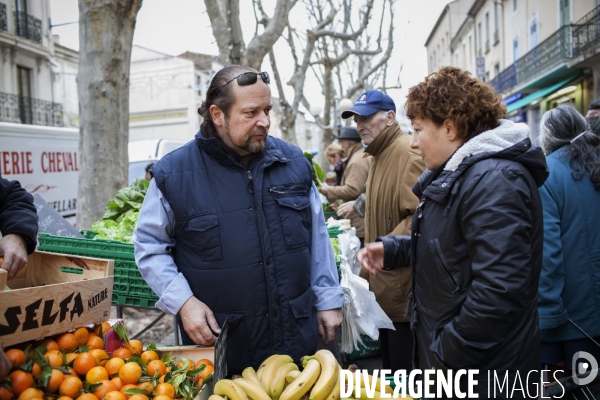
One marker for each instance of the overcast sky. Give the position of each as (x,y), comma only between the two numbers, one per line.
(176,26)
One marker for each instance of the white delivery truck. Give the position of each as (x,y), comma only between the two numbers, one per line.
(146,152)
(44,160)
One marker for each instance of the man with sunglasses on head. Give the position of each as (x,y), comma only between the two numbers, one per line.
(232,229)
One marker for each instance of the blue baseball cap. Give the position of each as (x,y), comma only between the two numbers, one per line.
(369,103)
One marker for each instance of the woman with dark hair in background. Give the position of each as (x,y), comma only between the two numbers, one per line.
(569,298)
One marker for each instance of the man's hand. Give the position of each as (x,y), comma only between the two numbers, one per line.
(13,249)
(346,210)
(5,365)
(199,322)
(329,321)
(324,189)
(371,257)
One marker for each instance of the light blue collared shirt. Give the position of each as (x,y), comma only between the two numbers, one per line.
(154,235)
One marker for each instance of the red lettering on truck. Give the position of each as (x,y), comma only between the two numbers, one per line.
(58,162)
(14,163)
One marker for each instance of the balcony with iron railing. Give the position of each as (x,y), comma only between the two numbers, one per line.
(28,110)
(581,39)
(3,26)
(586,34)
(28,26)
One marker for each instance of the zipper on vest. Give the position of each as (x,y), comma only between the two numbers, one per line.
(250,182)
(276,191)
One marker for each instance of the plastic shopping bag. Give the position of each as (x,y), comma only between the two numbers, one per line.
(362,314)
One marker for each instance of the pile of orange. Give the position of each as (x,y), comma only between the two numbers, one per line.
(74,365)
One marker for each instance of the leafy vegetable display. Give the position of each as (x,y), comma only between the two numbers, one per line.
(318,174)
(122,213)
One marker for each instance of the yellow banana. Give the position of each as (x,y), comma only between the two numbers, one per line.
(259,374)
(254,391)
(329,374)
(216,397)
(278,381)
(302,384)
(271,368)
(264,363)
(250,375)
(291,376)
(336,391)
(226,387)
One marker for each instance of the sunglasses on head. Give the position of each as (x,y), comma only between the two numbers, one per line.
(247,78)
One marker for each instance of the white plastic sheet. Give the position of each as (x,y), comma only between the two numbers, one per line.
(362,314)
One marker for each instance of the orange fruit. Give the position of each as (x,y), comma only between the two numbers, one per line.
(162,397)
(204,361)
(165,389)
(114,365)
(83,363)
(148,356)
(147,387)
(71,387)
(96,375)
(54,358)
(31,393)
(162,379)
(82,336)
(189,363)
(21,381)
(209,369)
(87,396)
(118,382)
(71,357)
(64,398)
(138,397)
(125,387)
(131,372)
(56,378)
(115,396)
(156,368)
(5,394)
(67,342)
(122,353)
(101,356)
(135,346)
(95,342)
(36,370)
(105,326)
(106,387)
(49,343)
(17,357)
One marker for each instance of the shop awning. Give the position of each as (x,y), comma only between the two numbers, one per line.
(536,95)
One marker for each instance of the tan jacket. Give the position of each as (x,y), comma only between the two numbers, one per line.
(356,171)
(390,204)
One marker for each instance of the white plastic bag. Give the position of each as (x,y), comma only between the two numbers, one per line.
(362,314)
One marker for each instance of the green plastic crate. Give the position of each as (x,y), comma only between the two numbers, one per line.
(330,214)
(334,232)
(129,287)
(371,348)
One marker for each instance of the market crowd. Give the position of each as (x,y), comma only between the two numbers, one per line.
(481,246)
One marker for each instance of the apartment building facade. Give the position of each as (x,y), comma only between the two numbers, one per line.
(26,64)
(537,53)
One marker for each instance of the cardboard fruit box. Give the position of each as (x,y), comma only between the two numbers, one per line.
(54,293)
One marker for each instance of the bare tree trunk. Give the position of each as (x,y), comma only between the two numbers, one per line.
(105,40)
(225,23)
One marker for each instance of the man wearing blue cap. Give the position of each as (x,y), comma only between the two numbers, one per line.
(390,204)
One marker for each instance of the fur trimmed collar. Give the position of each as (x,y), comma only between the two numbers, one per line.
(507,134)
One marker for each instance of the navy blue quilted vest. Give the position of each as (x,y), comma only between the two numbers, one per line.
(243,244)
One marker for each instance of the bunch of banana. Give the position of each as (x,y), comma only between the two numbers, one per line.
(278,378)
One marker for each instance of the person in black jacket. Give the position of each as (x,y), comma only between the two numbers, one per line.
(477,235)
(19,228)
